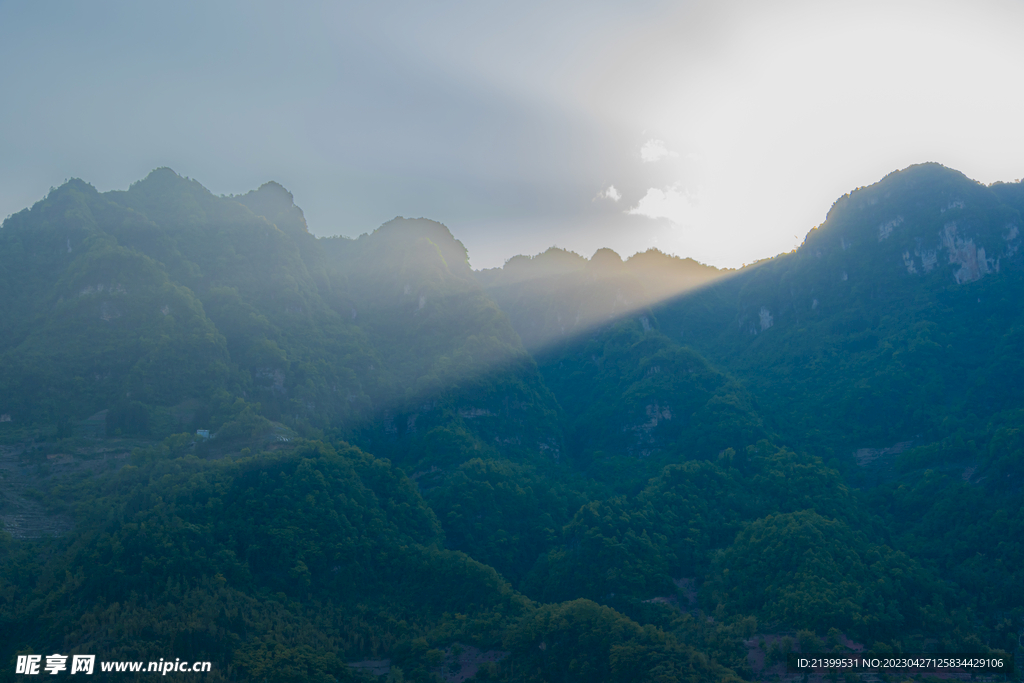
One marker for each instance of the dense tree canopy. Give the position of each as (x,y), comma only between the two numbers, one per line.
(566,469)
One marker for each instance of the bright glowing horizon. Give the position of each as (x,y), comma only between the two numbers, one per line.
(717,131)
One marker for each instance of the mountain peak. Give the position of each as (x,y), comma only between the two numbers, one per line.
(163,179)
(408,229)
(606,259)
(276,204)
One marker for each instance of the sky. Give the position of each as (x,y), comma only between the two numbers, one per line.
(721,131)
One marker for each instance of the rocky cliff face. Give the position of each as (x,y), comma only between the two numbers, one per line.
(929,218)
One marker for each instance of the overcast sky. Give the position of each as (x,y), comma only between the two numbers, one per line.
(718,130)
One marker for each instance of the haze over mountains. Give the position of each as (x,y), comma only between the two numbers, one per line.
(569,463)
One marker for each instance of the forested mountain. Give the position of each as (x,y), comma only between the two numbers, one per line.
(562,469)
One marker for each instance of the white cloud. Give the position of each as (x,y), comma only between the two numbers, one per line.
(655,150)
(611,193)
(672,203)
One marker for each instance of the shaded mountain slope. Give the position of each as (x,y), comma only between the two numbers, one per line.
(635,399)
(896,314)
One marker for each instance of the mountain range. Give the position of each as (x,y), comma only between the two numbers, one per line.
(566,468)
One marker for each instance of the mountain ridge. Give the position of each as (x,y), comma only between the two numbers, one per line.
(649,465)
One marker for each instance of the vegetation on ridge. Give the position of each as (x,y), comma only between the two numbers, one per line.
(584,469)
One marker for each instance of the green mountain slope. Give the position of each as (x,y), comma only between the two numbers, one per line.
(89,323)
(171,294)
(897,313)
(213,558)
(456,381)
(564,469)
(634,398)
